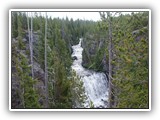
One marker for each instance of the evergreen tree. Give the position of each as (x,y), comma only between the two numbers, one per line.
(118,42)
(130,66)
(28,96)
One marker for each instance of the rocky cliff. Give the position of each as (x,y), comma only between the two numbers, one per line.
(94,55)
(38,72)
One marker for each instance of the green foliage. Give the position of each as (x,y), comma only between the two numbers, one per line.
(130,78)
(130,59)
(91,104)
(14,25)
(93,53)
(98,60)
(77,91)
(28,96)
(60,36)
(62,93)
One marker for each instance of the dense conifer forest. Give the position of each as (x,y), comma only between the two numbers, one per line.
(41,60)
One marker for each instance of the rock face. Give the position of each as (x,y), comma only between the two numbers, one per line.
(38,73)
(94,56)
(104,64)
(92,49)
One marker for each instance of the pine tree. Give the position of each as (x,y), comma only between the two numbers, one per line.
(28,96)
(77,91)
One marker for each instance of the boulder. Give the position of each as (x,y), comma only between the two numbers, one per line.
(74,58)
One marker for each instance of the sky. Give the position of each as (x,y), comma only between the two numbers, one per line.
(75,15)
(95,16)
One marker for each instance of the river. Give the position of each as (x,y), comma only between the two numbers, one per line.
(95,83)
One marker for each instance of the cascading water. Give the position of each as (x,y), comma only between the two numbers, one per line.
(95,83)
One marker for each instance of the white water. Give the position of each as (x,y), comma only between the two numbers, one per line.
(95,83)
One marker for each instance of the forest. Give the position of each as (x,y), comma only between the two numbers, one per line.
(61,63)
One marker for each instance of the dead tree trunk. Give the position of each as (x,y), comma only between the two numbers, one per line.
(46,72)
(31,44)
(110,58)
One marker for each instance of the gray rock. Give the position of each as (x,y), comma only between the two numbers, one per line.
(101,43)
(105,63)
(24,40)
(92,49)
(74,58)
(38,72)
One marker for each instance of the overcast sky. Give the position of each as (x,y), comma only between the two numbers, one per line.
(95,16)
(75,15)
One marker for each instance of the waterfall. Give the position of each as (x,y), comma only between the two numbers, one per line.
(95,83)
